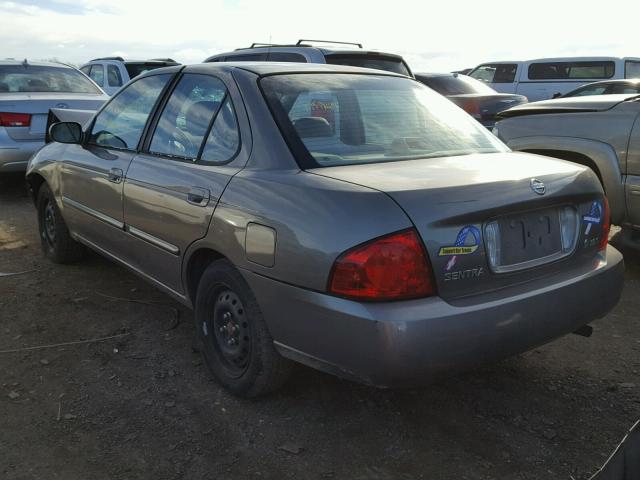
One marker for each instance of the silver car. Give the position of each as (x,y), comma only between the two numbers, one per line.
(348,219)
(27,91)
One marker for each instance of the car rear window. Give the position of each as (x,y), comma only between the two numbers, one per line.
(377,62)
(138,68)
(32,78)
(455,84)
(340,119)
(495,72)
(569,70)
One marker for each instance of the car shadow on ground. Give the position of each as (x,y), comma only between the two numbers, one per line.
(12,187)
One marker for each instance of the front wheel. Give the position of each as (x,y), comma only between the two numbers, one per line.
(236,343)
(56,241)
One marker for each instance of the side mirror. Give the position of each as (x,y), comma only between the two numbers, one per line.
(557,95)
(66,132)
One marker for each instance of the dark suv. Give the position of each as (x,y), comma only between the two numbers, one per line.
(306,52)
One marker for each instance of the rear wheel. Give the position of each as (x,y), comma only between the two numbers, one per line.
(56,241)
(236,343)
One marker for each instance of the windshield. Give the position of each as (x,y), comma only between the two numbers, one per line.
(135,69)
(377,62)
(30,78)
(340,119)
(495,72)
(455,84)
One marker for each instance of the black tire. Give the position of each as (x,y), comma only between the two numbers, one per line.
(56,241)
(235,341)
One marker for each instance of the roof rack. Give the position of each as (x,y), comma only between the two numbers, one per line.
(107,58)
(162,60)
(301,42)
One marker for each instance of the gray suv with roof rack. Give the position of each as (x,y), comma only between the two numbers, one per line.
(110,73)
(306,51)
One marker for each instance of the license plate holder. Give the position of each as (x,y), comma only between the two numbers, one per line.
(529,237)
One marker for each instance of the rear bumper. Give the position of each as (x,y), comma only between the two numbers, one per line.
(412,342)
(14,155)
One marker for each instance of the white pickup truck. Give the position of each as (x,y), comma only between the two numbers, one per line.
(546,78)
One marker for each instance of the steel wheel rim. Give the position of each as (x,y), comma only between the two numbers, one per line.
(228,330)
(49,227)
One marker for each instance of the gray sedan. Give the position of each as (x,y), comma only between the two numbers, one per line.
(27,91)
(348,219)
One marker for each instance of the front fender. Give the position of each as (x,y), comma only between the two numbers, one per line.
(43,168)
(602,154)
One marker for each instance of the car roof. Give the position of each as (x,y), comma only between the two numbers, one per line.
(273,68)
(35,64)
(301,46)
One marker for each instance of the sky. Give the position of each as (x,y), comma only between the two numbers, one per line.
(432,36)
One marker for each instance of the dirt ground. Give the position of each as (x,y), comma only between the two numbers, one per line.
(143,406)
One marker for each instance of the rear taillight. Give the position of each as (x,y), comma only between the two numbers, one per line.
(472,107)
(393,267)
(606,226)
(10,119)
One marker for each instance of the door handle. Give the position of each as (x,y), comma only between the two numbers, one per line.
(115,175)
(198,196)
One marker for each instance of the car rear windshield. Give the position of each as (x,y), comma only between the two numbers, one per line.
(138,68)
(377,62)
(339,119)
(31,78)
(455,84)
(495,72)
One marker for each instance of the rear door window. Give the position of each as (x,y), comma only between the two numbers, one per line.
(97,74)
(495,72)
(571,70)
(121,123)
(187,116)
(113,76)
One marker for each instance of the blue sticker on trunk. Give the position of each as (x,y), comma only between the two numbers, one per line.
(462,245)
(594,217)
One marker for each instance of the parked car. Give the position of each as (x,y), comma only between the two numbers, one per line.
(610,87)
(27,91)
(349,219)
(111,73)
(600,132)
(545,78)
(475,97)
(307,51)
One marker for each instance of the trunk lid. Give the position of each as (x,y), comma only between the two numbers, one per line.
(486,106)
(38,105)
(456,203)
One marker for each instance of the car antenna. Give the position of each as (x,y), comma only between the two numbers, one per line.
(269,48)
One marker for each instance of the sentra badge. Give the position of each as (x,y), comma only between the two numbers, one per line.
(463,245)
(594,217)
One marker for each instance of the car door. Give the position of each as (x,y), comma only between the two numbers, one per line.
(172,189)
(92,174)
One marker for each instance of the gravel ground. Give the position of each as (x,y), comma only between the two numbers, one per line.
(143,406)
